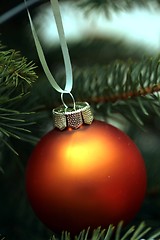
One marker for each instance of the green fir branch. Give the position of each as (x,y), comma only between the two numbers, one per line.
(15,124)
(15,71)
(114,233)
(115,5)
(16,78)
(130,88)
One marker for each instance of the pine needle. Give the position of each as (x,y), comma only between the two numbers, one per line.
(16,77)
(129,88)
(116,5)
(133,233)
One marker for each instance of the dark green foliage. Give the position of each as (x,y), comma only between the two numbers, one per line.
(130,88)
(15,72)
(16,78)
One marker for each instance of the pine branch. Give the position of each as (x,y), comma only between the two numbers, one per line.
(130,88)
(15,72)
(16,77)
(115,5)
(133,233)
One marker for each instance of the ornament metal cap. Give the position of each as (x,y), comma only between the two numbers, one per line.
(72,116)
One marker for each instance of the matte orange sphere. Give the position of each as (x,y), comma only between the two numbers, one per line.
(93,176)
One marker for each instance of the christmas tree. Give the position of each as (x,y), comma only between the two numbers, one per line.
(119,79)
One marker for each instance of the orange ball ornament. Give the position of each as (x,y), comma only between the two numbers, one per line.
(92,176)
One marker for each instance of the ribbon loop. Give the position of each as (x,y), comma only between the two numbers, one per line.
(64,104)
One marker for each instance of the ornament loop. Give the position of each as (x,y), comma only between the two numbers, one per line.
(64,104)
(72,116)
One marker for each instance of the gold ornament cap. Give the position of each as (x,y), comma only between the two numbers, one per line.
(73,116)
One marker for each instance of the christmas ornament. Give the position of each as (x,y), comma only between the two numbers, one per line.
(90,176)
(84,173)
